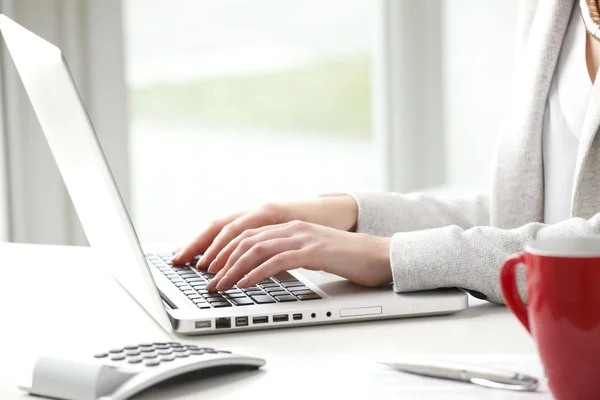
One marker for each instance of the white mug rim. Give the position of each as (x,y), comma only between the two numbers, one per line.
(566,247)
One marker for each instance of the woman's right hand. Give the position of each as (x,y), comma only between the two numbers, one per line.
(339,212)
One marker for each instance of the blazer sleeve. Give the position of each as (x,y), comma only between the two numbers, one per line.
(470,258)
(383,213)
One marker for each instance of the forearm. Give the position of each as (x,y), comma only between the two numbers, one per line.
(383,214)
(471,258)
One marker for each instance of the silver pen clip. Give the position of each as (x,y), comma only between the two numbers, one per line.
(483,376)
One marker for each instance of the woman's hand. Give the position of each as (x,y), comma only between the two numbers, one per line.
(338,212)
(257,254)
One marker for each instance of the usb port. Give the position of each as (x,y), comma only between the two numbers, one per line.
(280,318)
(297,317)
(241,321)
(260,320)
(222,323)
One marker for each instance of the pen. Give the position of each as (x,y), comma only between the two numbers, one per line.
(476,374)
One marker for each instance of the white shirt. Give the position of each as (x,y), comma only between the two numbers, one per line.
(568,99)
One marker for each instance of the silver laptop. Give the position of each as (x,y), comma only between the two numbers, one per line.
(175,295)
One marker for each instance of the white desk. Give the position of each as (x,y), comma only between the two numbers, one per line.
(52,299)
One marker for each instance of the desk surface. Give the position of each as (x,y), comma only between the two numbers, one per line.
(54,299)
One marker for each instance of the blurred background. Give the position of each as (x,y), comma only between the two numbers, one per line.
(208,107)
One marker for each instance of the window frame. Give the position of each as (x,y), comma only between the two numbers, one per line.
(81,29)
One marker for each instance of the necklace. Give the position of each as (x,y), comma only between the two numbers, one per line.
(591,18)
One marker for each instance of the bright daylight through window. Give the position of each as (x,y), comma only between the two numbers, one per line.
(237,102)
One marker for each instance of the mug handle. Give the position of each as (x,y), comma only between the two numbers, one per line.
(508,283)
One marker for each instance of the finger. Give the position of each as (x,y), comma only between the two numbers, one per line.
(203,240)
(256,256)
(239,246)
(258,234)
(230,232)
(281,262)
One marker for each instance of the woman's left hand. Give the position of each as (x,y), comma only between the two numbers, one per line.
(258,254)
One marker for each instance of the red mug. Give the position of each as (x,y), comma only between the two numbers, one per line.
(563,311)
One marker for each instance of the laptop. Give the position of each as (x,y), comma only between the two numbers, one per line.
(175,295)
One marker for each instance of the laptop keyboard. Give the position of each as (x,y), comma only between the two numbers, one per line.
(281,288)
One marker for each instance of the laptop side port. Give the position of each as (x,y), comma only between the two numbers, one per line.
(281,318)
(297,317)
(260,320)
(222,323)
(241,321)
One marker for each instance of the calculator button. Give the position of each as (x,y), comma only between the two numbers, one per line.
(182,355)
(148,349)
(165,352)
(101,355)
(169,357)
(113,351)
(132,352)
(117,357)
(152,363)
(131,347)
(149,355)
(134,360)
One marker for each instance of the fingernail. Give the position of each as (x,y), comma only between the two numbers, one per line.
(212,265)
(243,282)
(222,283)
(176,256)
(211,285)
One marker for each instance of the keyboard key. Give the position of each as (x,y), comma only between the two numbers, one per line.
(189,291)
(194,296)
(284,276)
(263,299)
(254,292)
(231,291)
(195,279)
(197,301)
(211,295)
(180,284)
(265,281)
(212,300)
(287,297)
(134,360)
(208,275)
(295,289)
(202,305)
(152,363)
(221,304)
(279,293)
(269,285)
(101,355)
(291,284)
(313,296)
(242,301)
(303,292)
(273,289)
(236,295)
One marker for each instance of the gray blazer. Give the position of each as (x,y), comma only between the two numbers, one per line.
(444,242)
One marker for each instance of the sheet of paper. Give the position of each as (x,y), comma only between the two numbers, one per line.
(366,377)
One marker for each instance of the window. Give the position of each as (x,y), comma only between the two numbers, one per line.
(237,102)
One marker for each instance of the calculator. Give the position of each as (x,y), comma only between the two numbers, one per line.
(122,372)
